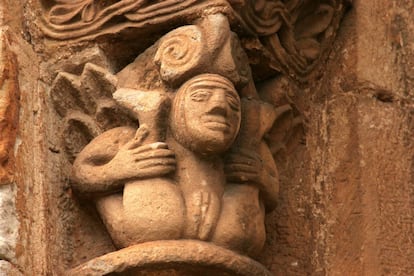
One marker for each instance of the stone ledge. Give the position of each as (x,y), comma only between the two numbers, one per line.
(180,257)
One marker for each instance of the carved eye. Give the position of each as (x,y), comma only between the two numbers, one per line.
(200,95)
(233,102)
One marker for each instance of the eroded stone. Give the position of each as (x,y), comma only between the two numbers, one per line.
(9,224)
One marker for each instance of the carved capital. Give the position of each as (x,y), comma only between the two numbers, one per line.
(192,154)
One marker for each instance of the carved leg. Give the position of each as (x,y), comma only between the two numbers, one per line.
(153,210)
(112,213)
(241,224)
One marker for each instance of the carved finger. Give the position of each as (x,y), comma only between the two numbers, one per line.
(142,132)
(159,153)
(156,171)
(245,153)
(240,168)
(242,161)
(241,177)
(157,162)
(150,147)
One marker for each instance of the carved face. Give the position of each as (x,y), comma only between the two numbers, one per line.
(206,114)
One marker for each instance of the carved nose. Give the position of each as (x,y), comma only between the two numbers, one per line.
(218,104)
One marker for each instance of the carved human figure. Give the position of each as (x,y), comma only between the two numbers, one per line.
(205,119)
(151,207)
(177,188)
(225,198)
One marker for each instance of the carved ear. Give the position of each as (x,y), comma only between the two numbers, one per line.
(209,47)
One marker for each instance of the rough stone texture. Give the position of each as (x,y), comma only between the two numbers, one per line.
(9,98)
(9,224)
(7,269)
(360,149)
(368,190)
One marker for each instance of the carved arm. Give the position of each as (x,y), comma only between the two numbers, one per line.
(255,167)
(117,156)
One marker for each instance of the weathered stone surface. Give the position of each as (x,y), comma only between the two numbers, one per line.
(9,225)
(7,269)
(9,109)
(9,106)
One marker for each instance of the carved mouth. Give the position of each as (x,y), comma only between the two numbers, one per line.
(216,123)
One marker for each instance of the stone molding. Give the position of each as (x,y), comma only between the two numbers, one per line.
(286,37)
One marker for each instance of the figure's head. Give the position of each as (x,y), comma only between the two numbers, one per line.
(205,115)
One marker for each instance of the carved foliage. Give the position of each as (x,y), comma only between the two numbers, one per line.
(289,36)
(304,32)
(86,104)
(91,18)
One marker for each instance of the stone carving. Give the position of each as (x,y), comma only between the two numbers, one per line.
(87,105)
(80,18)
(177,149)
(197,168)
(280,36)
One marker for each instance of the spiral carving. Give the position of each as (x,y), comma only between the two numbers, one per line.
(180,54)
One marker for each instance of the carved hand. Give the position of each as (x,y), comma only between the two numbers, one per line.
(135,160)
(248,166)
(243,166)
(117,156)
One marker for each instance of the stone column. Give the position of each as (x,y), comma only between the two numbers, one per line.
(361,147)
